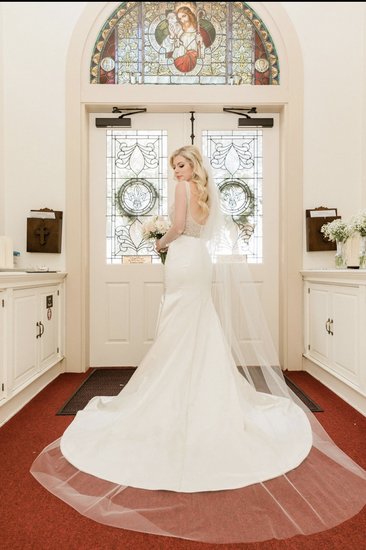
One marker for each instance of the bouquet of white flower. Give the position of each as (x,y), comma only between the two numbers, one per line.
(155,229)
(359,223)
(337,230)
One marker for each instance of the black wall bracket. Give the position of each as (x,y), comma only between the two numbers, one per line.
(119,122)
(248,121)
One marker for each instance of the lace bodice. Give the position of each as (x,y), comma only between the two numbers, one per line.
(192,228)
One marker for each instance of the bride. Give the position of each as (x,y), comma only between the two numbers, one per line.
(192,447)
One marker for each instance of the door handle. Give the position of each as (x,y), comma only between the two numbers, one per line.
(42,328)
(327,326)
(38,335)
(331,327)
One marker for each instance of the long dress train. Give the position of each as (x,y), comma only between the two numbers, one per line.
(188,421)
(189,448)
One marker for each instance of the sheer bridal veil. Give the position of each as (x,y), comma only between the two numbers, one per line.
(326,489)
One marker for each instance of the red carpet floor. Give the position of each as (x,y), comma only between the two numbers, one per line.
(32,518)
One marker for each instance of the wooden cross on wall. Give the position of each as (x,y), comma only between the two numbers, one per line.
(43,233)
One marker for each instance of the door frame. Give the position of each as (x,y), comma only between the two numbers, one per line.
(286,99)
(136,290)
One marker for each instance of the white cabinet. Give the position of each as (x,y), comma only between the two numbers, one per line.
(2,345)
(31,336)
(335,326)
(50,326)
(36,332)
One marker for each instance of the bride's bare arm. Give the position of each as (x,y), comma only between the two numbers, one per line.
(180,213)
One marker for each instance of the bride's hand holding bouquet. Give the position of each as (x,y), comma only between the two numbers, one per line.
(156,229)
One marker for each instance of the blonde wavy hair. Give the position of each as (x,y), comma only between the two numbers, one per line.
(199,176)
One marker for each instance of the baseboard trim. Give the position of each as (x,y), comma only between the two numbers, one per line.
(345,392)
(13,405)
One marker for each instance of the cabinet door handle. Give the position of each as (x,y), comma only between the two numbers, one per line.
(42,328)
(331,327)
(327,326)
(38,334)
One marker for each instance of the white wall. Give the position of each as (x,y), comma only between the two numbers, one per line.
(35,40)
(332,40)
(2,184)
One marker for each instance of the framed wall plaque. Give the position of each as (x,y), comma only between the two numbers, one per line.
(315,219)
(44,233)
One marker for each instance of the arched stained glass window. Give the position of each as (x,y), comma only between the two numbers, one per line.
(184,43)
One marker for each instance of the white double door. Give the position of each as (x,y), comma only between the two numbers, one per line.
(125,299)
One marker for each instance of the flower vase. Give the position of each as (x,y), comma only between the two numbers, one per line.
(363,252)
(351,251)
(340,255)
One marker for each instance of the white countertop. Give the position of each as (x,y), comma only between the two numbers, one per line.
(341,275)
(21,278)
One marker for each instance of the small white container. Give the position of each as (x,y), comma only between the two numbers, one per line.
(16,257)
(6,253)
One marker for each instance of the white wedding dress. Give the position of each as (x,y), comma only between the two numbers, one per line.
(189,438)
(188,420)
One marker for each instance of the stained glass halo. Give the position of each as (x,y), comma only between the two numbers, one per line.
(236,197)
(136,197)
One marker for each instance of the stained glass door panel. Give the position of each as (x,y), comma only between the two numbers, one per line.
(245,166)
(129,184)
(137,190)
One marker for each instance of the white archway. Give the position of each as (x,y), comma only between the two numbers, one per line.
(82,97)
